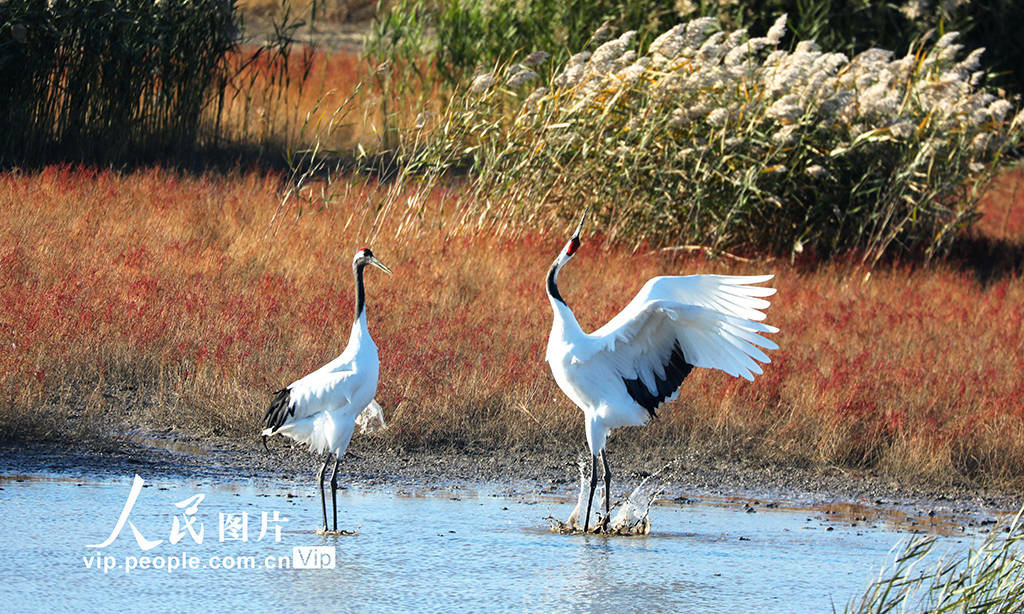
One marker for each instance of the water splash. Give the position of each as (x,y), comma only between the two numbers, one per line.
(338,532)
(627,517)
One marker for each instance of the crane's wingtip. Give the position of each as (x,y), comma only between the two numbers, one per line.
(750,279)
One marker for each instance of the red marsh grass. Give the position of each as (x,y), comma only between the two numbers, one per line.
(154,300)
(1003,207)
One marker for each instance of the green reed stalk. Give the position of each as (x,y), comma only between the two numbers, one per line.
(987,578)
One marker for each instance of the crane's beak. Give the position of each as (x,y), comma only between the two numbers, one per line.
(380,265)
(579,228)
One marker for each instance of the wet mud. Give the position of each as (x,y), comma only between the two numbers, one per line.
(838,495)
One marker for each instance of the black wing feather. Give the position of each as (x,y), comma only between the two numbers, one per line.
(676,369)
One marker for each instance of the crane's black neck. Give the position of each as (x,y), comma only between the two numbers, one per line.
(360,292)
(553,284)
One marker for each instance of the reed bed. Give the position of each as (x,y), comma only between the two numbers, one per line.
(153,300)
(468,34)
(726,142)
(103,80)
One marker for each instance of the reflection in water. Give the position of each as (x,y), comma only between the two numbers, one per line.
(421,553)
(590,577)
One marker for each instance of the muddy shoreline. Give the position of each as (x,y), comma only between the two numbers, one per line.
(687,479)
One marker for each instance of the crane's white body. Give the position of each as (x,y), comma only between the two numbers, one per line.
(715,319)
(622,372)
(322,409)
(327,402)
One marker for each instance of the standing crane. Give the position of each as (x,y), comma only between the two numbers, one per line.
(320,409)
(619,374)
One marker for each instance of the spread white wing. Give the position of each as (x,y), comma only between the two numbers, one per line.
(730,294)
(676,323)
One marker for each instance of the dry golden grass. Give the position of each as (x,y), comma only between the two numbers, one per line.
(156,300)
(284,101)
(305,98)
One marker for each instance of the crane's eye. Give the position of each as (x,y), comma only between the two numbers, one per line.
(574,244)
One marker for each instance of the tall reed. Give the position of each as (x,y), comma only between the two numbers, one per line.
(474,33)
(97,79)
(105,82)
(722,141)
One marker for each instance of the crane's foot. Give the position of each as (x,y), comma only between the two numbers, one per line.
(573,527)
(338,532)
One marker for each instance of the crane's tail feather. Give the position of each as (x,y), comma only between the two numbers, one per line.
(279,411)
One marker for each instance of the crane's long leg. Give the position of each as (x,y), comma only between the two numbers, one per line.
(323,502)
(607,486)
(334,492)
(590,500)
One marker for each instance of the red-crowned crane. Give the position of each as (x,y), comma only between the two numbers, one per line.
(320,409)
(619,374)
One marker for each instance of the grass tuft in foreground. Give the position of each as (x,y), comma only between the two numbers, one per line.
(987,578)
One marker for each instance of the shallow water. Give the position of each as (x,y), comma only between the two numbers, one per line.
(419,552)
